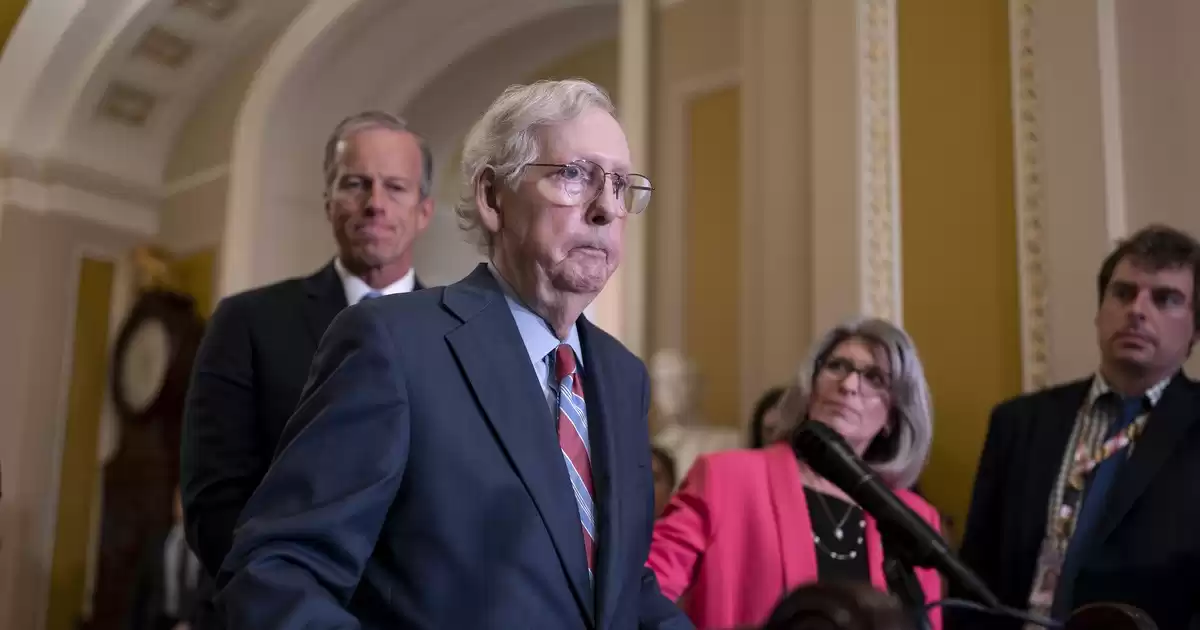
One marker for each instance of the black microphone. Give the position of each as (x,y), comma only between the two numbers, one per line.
(828,455)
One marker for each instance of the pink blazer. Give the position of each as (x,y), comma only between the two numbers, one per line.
(736,538)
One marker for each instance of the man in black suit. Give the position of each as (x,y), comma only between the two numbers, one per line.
(258,347)
(476,456)
(1088,492)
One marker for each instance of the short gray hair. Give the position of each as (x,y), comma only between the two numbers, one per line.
(374,119)
(898,457)
(505,138)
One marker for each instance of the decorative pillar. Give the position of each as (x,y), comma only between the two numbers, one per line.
(1068,147)
(879,155)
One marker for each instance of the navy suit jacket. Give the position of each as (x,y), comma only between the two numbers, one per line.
(1144,548)
(420,483)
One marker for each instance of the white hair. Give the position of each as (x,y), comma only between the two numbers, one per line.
(505,139)
(898,455)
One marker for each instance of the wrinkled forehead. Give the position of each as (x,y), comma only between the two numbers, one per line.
(594,135)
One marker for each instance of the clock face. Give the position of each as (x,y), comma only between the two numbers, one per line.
(147,359)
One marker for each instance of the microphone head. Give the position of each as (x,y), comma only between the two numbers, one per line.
(828,454)
(813,438)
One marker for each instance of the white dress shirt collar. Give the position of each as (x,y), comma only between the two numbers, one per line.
(355,287)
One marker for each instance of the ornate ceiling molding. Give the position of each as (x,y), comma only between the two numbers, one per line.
(61,187)
(108,85)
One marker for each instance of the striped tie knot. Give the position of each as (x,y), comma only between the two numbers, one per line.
(564,362)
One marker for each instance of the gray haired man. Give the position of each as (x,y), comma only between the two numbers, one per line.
(256,352)
(476,456)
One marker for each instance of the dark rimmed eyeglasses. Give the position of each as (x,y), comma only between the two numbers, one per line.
(873,378)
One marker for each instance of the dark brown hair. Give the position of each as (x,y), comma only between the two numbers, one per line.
(837,606)
(766,402)
(1154,248)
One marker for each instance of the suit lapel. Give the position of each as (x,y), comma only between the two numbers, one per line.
(611,482)
(797,554)
(1170,420)
(326,298)
(486,346)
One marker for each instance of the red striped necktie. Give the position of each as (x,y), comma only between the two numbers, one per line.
(573,440)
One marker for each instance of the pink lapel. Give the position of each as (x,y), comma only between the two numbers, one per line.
(791,516)
(875,555)
(795,528)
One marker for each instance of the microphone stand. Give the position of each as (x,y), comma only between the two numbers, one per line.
(901,576)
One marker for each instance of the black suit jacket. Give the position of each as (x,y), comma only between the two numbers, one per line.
(248,374)
(1146,548)
(149,606)
(420,483)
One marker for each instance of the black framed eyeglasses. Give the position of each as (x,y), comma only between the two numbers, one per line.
(873,377)
(580,182)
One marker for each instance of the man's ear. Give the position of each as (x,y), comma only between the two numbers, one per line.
(327,198)
(488,198)
(424,213)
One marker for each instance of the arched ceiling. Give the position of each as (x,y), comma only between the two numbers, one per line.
(98,90)
(340,58)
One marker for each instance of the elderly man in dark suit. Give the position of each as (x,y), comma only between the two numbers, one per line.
(476,456)
(256,352)
(1088,492)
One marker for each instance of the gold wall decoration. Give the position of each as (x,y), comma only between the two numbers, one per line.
(1030,197)
(878,144)
(152,266)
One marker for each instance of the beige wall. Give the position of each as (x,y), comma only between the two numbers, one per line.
(39,259)
(1107,138)
(697,52)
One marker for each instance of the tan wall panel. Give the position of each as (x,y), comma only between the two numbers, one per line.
(697,48)
(712,236)
(79,470)
(196,276)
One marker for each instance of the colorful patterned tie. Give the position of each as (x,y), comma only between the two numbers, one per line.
(573,440)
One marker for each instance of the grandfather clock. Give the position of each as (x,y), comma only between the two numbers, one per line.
(151,366)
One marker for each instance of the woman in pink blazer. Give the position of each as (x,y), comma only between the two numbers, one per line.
(748,526)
